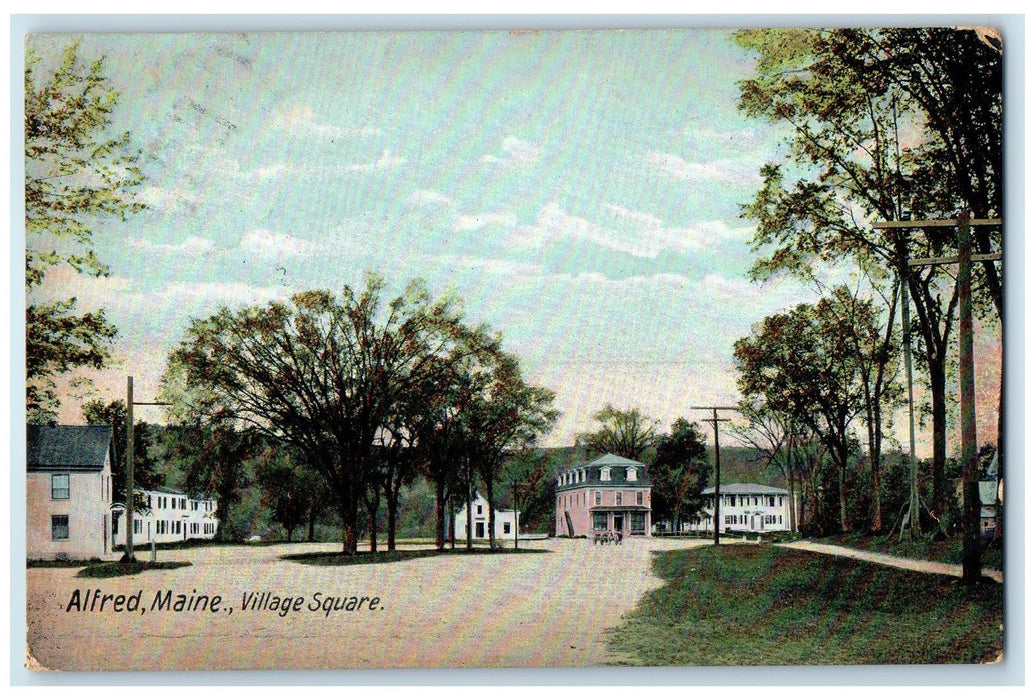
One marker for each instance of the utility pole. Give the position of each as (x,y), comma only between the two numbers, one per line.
(968,421)
(515,515)
(128,555)
(715,420)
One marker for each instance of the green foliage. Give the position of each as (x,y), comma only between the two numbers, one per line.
(359,390)
(885,124)
(76,173)
(679,472)
(145,437)
(216,458)
(625,433)
(288,489)
(743,605)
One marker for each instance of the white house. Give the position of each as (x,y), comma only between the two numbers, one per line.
(68,491)
(170,515)
(507,521)
(745,508)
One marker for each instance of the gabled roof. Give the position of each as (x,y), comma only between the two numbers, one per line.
(746,489)
(72,447)
(988,492)
(479,497)
(610,460)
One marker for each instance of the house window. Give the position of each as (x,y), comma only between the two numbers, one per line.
(639,524)
(771,500)
(639,498)
(596,498)
(59,527)
(506,527)
(630,474)
(479,511)
(600,521)
(618,498)
(59,487)
(605,473)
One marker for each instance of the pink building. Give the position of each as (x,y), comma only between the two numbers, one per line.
(609,494)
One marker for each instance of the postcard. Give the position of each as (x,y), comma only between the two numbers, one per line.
(514,349)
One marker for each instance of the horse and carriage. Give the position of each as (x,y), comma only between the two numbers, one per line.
(607,537)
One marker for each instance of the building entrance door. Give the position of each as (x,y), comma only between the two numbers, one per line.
(619,523)
(479,531)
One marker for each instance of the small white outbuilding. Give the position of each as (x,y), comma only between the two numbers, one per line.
(506,521)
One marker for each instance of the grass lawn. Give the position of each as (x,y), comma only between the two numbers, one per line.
(111,569)
(385,557)
(743,605)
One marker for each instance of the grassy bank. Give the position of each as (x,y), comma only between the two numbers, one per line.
(740,605)
(947,551)
(111,569)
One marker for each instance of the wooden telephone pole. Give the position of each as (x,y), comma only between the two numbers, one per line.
(968,422)
(128,555)
(715,420)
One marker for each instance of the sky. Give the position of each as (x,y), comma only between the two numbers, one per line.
(580,191)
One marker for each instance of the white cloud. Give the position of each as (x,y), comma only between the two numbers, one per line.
(515,152)
(428,197)
(473,222)
(635,233)
(385,162)
(489,265)
(193,245)
(275,245)
(634,217)
(198,296)
(725,172)
(301,120)
(162,199)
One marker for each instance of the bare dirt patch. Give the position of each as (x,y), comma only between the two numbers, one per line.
(527,610)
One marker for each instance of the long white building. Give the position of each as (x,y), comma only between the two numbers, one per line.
(745,508)
(170,515)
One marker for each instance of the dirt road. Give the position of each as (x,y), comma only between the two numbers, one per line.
(931,567)
(529,610)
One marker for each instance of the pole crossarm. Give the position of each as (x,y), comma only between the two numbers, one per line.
(968,423)
(935,223)
(715,420)
(953,259)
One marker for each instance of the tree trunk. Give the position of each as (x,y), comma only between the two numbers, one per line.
(349,519)
(489,496)
(392,504)
(312,522)
(938,415)
(470,498)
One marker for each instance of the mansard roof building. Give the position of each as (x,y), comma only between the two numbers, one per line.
(607,494)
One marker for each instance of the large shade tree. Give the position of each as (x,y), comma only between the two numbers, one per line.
(679,472)
(803,364)
(77,172)
(624,432)
(319,373)
(500,414)
(883,125)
